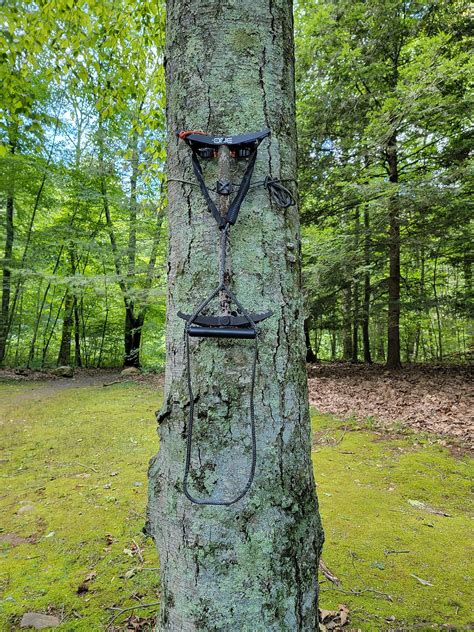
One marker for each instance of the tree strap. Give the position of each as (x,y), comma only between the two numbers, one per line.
(236,203)
(240,324)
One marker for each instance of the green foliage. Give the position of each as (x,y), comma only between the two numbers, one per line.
(373,79)
(82,152)
(83,169)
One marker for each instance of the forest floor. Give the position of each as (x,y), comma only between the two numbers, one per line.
(395,504)
(437,399)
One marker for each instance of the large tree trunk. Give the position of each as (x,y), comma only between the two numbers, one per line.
(251,566)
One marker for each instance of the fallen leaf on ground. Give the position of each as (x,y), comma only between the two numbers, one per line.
(333,619)
(435,399)
(139,624)
(343,614)
(92,575)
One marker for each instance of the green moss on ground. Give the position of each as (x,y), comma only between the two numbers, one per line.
(76,459)
(377,495)
(73,468)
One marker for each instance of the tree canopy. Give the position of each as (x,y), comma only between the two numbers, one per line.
(384,102)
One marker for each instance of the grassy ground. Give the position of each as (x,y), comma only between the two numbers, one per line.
(74,479)
(73,468)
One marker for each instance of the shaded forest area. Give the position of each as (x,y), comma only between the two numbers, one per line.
(385,178)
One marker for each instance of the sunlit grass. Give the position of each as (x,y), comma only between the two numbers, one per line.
(73,466)
(377,497)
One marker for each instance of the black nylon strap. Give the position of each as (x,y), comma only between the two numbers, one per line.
(236,203)
(190,428)
(204,190)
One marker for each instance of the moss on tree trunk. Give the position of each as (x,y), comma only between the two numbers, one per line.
(251,566)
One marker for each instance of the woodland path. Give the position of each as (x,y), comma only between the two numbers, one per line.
(435,399)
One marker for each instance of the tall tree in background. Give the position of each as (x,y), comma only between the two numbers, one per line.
(384,96)
(81,165)
(251,566)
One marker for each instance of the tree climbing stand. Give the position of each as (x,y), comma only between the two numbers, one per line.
(238,323)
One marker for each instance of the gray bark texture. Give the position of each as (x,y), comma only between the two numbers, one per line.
(251,566)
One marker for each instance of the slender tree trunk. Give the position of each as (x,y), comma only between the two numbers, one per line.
(134,317)
(380,341)
(12,310)
(104,327)
(133,322)
(438,311)
(18,335)
(366,308)
(7,261)
(40,311)
(356,303)
(250,567)
(48,335)
(310,355)
(333,344)
(347,322)
(393,337)
(468,259)
(77,335)
(133,334)
(64,356)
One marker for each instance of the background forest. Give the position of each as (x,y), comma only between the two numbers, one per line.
(384,118)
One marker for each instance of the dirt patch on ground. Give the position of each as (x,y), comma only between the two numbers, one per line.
(15,540)
(436,399)
(81,378)
(428,399)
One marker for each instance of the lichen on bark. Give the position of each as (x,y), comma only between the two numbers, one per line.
(251,566)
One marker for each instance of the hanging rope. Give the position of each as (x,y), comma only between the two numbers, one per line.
(189,440)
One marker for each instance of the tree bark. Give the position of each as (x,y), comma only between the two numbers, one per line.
(310,355)
(367,290)
(133,335)
(393,337)
(77,335)
(64,355)
(251,566)
(347,322)
(356,302)
(7,259)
